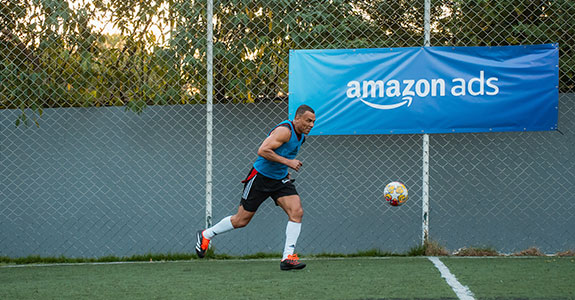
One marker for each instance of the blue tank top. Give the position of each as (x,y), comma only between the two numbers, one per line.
(288,150)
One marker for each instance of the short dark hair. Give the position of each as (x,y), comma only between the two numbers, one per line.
(302,109)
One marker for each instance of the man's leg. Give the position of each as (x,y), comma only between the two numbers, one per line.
(239,220)
(292,206)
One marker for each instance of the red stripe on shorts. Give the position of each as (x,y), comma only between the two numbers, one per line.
(252,174)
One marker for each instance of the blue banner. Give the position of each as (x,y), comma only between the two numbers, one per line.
(427,89)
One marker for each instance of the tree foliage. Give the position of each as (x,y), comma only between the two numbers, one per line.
(58,53)
(496,23)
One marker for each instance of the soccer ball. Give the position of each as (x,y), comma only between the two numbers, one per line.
(395,193)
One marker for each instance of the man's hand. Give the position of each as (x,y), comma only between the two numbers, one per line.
(294,164)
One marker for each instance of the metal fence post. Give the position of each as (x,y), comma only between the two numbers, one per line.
(209,113)
(425,185)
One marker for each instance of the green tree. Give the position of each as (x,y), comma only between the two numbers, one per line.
(501,22)
(53,53)
(53,56)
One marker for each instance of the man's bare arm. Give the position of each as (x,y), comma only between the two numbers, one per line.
(278,137)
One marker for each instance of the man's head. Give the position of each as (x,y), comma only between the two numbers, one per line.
(304,119)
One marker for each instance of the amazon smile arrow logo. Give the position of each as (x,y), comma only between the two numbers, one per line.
(389,106)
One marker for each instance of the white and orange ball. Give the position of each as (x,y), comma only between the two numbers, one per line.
(395,193)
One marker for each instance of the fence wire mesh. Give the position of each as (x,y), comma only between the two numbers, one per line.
(103,129)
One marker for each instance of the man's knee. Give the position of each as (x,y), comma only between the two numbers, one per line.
(296,214)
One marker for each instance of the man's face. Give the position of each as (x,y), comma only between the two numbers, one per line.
(304,122)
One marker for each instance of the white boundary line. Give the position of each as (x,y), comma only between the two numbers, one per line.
(32,265)
(460,290)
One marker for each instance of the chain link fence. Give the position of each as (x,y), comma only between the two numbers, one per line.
(103,129)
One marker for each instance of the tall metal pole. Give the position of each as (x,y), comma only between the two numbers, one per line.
(425,185)
(427,24)
(209,112)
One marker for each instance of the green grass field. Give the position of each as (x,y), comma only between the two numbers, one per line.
(516,278)
(349,278)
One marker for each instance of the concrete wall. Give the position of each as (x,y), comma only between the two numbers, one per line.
(91,182)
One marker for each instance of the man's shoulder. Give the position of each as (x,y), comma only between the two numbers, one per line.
(282,132)
(283,127)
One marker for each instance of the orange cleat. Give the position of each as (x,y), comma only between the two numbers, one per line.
(202,244)
(291,263)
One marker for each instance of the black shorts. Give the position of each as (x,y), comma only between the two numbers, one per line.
(257,188)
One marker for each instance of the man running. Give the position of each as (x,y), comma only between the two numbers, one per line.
(269,177)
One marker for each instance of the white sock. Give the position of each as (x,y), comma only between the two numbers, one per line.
(223,226)
(292,233)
